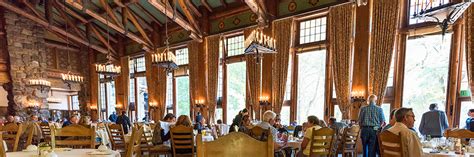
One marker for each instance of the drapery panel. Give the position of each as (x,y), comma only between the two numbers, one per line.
(156,84)
(253,80)
(282,32)
(384,30)
(197,76)
(212,66)
(340,36)
(469,41)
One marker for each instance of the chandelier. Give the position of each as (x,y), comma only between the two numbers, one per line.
(42,84)
(260,44)
(71,78)
(442,14)
(108,69)
(165,59)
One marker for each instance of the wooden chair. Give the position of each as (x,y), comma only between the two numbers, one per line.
(322,142)
(458,133)
(150,149)
(235,144)
(259,133)
(46,131)
(134,146)
(182,141)
(390,144)
(74,136)
(3,153)
(349,140)
(116,137)
(11,135)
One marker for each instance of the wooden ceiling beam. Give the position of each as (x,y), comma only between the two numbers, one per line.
(189,15)
(205,4)
(193,8)
(33,9)
(101,38)
(131,17)
(110,12)
(150,15)
(256,7)
(70,23)
(70,12)
(226,12)
(48,10)
(49,26)
(146,45)
(168,11)
(140,19)
(224,3)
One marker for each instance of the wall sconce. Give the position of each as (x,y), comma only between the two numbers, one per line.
(118,106)
(153,105)
(357,96)
(33,105)
(199,103)
(264,101)
(93,107)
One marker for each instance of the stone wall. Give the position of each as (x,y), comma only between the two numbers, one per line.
(25,45)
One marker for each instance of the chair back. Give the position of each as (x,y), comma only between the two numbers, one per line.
(46,131)
(390,144)
(182,140)
(3,153)
(116,136)
(11,135)
(322,141)
(235,144)
(458,133)
(349,138)
(133,147)
(146,139)
(259,133)
(74,136)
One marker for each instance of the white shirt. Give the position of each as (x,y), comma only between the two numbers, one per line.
(165,126)
(266,125)
(410,141)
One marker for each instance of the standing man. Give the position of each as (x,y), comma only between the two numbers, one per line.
(470,120)
(125,121)
(434,122)
(371,118)
(113,117)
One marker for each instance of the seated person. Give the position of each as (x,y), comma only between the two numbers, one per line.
(184,120)
(312,123)
(267,123)
(85,121)
(245,124)
(469,121)
(73,120)
(337,126)
(405,120)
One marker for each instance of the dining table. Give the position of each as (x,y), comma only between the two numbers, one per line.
(68,153)
(428,152)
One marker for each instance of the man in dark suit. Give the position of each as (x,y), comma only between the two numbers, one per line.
(125,121)
(434,122)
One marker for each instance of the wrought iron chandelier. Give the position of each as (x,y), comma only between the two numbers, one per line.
(166,58)
(108,69)
(259,43)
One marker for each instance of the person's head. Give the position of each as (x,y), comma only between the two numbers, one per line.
(244,112)
(74,119)
(169,118)
(10,119)
(322,123)
(311,121)
(124,112)
(269,117)
(34,118)
(372,98)
(219,121)
(406,116)
(113,112)
(85,120)
(470,113)
(245,120)
(392,117)
(184,120)
(433,106)
(332,120)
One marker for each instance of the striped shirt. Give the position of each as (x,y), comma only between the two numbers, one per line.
(371,115)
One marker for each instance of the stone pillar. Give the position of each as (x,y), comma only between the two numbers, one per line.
(25,45)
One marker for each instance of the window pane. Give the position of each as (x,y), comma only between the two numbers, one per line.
(75,102)
(426,73)
(418,5)
(142,105)
(110,97)
(182,56)
(182,96)
(391,72)
(235,45)
(465,107)
(219,114)
(464,79)
(313,30)
(235,89)
(285,115)
(169,91)
(337,113)
(102,97)
(288,81)
(311,80)
(386,111)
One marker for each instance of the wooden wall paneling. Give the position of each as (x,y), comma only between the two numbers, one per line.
(360,69)
(454,71)
(94,87)
(400,56)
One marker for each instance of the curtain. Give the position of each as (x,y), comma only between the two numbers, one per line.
(212,66)
(197,82)
(122,82)
(253,80)
(282,32)
(469,39)
(156,84)
(340,36)
(384,30)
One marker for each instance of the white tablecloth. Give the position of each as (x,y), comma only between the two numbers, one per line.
(207,138)
(426,153)
(72,153)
